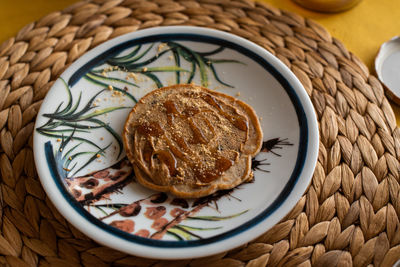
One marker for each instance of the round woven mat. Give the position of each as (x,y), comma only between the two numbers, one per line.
(348,216)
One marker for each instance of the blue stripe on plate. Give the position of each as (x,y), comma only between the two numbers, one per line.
(302,152)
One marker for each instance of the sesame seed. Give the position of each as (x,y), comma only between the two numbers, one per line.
(110,87)
(98,155)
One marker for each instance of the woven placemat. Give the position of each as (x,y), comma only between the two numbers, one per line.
(348,216)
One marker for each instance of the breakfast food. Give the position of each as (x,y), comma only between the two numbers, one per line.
(191,141)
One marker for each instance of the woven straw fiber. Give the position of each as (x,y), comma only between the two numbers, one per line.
(348,216)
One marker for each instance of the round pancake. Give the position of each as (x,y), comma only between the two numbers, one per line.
(191,141)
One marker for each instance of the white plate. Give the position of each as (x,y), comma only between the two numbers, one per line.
(387,67)
(82,166)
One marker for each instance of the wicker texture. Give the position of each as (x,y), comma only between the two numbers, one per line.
(348,216)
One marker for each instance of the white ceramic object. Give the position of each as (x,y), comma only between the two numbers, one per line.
(83,168)
(387,67)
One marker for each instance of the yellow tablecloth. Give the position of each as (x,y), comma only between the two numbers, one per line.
(362,29)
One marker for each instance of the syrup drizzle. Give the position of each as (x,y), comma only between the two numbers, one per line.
(205,174)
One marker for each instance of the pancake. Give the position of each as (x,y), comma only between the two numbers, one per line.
(191,141)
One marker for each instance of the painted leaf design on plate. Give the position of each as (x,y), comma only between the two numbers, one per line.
(134,64)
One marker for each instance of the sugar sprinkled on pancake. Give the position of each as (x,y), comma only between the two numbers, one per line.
(191,141)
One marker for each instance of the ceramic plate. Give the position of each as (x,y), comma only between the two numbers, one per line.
(81,162)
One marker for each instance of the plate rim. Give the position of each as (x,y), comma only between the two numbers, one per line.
(91,228)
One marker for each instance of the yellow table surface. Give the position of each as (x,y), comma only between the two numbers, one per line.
(362,29)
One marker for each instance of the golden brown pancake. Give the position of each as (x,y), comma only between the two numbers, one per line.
(191,141)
